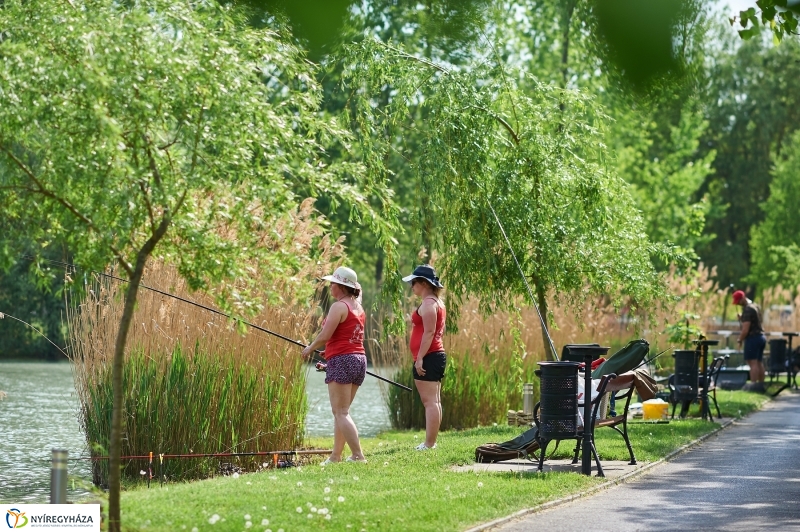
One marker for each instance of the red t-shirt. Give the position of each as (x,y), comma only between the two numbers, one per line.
(417,329)
(348,338)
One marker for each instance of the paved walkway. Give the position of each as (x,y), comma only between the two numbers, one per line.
(746,478)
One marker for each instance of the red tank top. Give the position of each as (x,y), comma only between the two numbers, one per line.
(417,329)
(348,338)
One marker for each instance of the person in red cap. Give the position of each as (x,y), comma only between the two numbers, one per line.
(752,338)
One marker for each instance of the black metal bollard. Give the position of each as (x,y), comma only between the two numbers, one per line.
(702,349)
(588,444)
(58,477)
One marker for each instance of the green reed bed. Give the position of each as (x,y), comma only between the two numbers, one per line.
(474,392)
(196,403)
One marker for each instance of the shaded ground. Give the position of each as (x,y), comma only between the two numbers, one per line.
(745,478)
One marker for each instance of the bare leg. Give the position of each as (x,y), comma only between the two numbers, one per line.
(344,430)
(755,371)
(761,371)
(429,392)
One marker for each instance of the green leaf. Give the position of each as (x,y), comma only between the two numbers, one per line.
(747,34)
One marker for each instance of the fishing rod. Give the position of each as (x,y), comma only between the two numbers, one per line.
(647,361)
(210,309)
(545,332)
(207,455)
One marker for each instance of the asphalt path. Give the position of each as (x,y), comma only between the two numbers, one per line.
(746,478)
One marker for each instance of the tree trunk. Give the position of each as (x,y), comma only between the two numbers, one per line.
(115,447)
(114,461)
(542,302)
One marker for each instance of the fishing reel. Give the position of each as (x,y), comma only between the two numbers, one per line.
(320,366)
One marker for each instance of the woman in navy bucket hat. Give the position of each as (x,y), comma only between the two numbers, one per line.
(427,350)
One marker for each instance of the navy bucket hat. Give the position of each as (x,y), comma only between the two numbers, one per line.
(424,271)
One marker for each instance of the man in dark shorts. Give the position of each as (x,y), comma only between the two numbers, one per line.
(753,339)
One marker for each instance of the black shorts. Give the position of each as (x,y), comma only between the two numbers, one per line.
(433,364)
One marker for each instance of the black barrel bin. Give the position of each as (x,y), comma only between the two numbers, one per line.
(558,400)
(777,356)
(686,375)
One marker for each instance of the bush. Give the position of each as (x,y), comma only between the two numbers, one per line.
(473,393)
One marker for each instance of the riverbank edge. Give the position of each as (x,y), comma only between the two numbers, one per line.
(605,485)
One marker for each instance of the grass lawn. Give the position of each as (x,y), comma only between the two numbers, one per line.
(399,489)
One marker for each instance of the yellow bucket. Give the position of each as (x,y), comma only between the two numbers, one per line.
(655,410)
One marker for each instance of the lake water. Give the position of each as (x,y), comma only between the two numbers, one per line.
(40,413)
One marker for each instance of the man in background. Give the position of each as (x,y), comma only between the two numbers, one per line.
(753,339)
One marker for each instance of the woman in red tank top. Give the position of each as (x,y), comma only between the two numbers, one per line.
(342,335)
(430,360)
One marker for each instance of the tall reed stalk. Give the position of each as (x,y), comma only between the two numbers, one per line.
(194,381)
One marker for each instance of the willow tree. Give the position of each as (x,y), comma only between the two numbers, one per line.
(775,242)
(536,158)
(130,130)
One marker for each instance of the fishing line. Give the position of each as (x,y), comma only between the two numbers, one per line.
(207,455)
(7,315)
(210,309)
(525,279)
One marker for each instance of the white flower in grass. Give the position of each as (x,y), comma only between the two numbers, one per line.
(249,483)
(385,464)
(248,524)
(330,481)
(328,517)
(280,530)
(264,508)
(447,488)
(264,522)
(183,527)
(310,516)
(309,505)
(480,484)
(194,529)
(299,510)
(327,499)
(327,489)
(235,475)
(340,499)
(273,477)
(415,437)
(313,509)
(355,478)
(299,484)
(380,444)
(213,519)
(247,517)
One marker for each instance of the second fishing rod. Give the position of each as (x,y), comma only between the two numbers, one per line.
(221,313)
